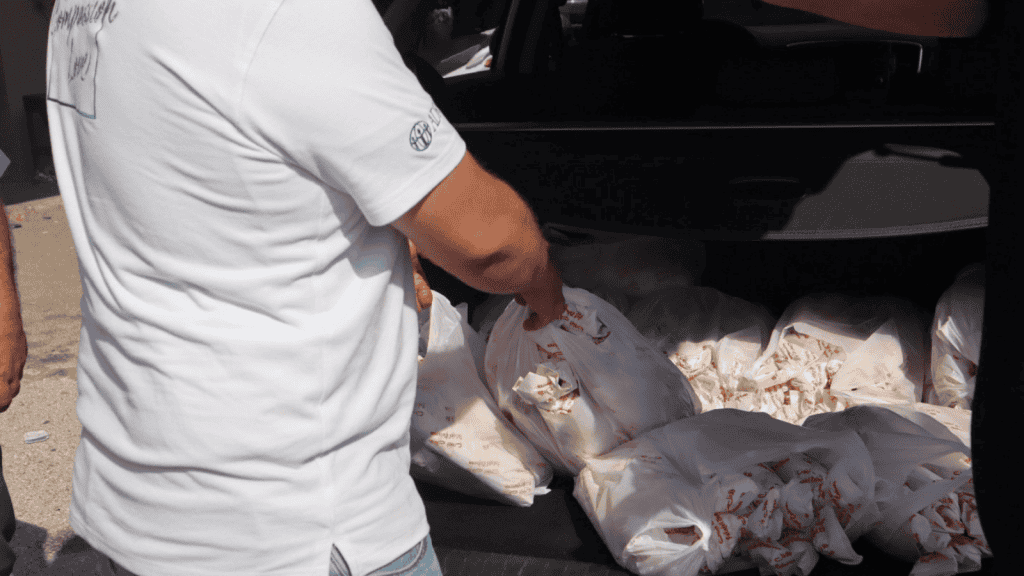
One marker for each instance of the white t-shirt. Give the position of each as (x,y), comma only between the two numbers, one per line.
(247,365)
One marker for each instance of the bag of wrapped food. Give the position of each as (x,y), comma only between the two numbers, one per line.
(956,340)
(729,490)
(459,440)
(713,338)
(620,268)
(831,351)
(924,492)
(583,384)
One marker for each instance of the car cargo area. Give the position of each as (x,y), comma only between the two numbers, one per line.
(789,157)
(554,535)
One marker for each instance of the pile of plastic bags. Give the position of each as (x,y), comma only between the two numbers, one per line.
(704,434)
(711,337)
(829,352)
(688,498)
(927,512)
(826,352)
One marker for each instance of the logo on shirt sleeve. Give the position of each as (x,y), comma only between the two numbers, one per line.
(420,136)
(422,133)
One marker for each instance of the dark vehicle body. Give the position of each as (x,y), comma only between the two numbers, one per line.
(809,155)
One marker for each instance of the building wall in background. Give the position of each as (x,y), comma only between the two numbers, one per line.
(24,25)
(6,127)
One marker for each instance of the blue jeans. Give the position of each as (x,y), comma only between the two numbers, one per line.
(419,561)
(7,525)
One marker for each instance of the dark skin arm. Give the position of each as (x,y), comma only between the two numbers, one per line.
(478,229)
(938,18)
(13,344)
(424,297)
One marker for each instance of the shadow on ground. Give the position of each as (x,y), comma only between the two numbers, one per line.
(73,558)
(17,192)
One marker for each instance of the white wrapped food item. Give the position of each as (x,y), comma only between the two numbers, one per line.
(956,420)
(729,490)
(459,440)
(956,340)
(713,338)
(925,491)
(583,384)
(619,268)
(830,351)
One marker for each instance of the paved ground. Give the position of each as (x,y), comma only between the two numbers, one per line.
(39,474)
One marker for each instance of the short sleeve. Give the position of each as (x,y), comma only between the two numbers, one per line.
(328,92)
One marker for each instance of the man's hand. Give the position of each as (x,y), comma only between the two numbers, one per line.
(13,344)
(424,297)
(13,352)
(544,299)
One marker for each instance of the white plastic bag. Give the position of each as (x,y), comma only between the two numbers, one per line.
(956,340)
(924,493)
(830,351)
(619,268)
(713,338)
(458,439)
(728,490)
(583,384)
(956,420)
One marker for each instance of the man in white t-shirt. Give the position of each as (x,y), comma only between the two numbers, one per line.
(240,179)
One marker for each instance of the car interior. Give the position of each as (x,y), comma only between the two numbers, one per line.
(693,60)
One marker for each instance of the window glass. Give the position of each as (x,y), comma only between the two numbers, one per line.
(457,35)
(742,60)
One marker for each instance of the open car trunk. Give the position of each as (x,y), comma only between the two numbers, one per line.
(854,191)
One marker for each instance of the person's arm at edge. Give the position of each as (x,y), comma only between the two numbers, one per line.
(938,18)
(424,296)
(478,229)
(13,344)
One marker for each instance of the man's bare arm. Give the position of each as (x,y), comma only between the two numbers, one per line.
(938,18)
(424,296)
(478,229)
(13,345)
